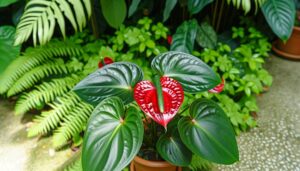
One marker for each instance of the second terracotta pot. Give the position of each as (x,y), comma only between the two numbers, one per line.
(139,164)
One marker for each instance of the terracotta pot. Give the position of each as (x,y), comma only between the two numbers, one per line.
(139,164)
(291,49)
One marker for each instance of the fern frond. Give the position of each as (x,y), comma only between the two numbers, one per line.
(56,67)
(40,17)
(76,166)
(49,120)
(46,93)
(34,57)
(73,124)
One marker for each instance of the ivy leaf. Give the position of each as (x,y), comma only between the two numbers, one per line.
(195,6)
(117,79)
(114,12)
(193,74)
(133,7)
(206,36)
(169,6)
(208,133)
(171,147)
(280,15)
(184,38)
(113,137)
(8,52)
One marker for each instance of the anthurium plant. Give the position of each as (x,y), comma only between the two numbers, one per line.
(128,107)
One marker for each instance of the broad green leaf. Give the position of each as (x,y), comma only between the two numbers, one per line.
(133,7)
(171,147)
(4,3)
(169,6)
(193,74)
(114,11)
(280,15)
(195,6)
(206,36)
(113,136)
(8,52)
(208,133)
(184,38)
(117,79)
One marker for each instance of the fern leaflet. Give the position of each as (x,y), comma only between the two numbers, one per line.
(45,93)
(73,124)
(49,120)
(35,75)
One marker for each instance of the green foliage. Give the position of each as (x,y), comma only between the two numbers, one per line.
(133,7)
(280,15)
(4,3)
(246,4)
(114,11)
(113,137)
(8,52)
(117,79)
(195,6)
(140,39)
(200,132)
(169,6)
(242,68)
(206,36)
(34,57)
(40,17)
(193,74)
(184,38)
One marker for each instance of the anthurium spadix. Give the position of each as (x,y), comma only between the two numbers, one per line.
(147,97)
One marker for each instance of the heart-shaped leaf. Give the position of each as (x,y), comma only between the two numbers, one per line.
(146,97)
(184,38)
(208,133)
(171,147)
(280,15)
(193,74)
(117,79)
(113,137)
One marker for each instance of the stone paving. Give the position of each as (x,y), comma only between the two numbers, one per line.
(275,144)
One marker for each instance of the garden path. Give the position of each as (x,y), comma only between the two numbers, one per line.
(275,144)
(19,153)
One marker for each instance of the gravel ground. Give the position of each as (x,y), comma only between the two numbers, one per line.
(275,144)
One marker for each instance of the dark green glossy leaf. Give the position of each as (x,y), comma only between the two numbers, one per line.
(184,38)
(4,3)
(280,15)
(195,6)
(206,36)
(113,137)
(193,74)
(133,7)
(208,133)
(8,52)
(169,6)
(117,79)
(114,11)
(171,147)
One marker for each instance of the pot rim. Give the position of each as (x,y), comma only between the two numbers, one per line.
(151,163)
(297,28)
